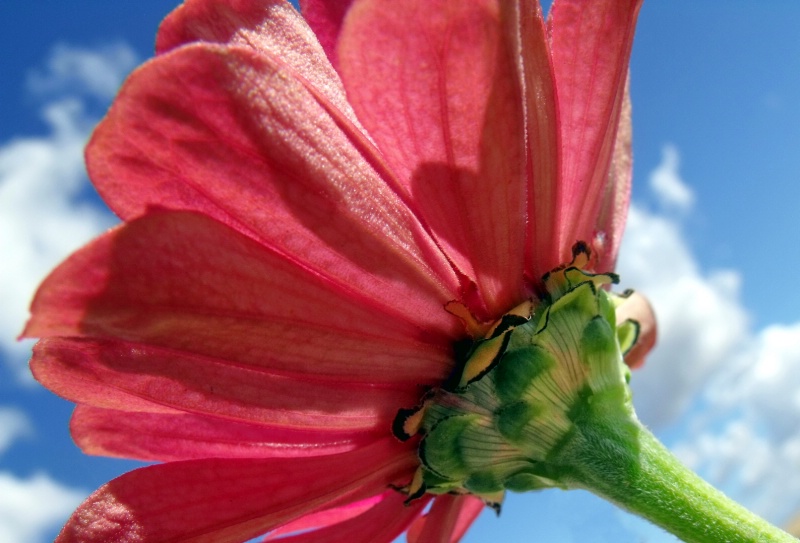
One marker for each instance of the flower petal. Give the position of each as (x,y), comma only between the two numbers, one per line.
(189,284)
(239,137)
(229,500)
(108,374)
(544,247)
(382,523)
(614,206)
(186,436)
(327,517)
(591,44)
(447,521)
(325,17)
(436,84)
(268,27)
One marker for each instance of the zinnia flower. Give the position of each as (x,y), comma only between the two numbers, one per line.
(313,217)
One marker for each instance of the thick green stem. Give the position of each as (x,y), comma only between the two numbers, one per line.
(630,467)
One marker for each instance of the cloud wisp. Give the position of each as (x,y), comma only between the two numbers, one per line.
(95,73)
(667,185)
(14,424)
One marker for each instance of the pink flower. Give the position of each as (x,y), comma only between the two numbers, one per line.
(297,217)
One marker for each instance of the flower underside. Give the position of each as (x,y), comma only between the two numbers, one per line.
(523,391)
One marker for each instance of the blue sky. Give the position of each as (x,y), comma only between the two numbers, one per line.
(712,239)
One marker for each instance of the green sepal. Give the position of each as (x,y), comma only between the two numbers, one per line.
(441,451)
(514,419)
(484,482)
(519,369)
(627,334)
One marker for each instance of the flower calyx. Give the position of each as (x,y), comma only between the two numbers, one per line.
(522,391)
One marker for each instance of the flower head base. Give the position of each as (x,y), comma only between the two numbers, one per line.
(543,369)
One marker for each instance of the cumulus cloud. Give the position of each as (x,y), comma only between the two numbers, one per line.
(701,321)
(44,211)
(13,425)
(95,73)
(32,508)
(768,376)
(750,440)
(733,391)
(667,184)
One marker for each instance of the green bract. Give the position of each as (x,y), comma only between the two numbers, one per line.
(523,392)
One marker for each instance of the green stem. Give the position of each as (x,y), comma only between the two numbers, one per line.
(543,401)
(627,465)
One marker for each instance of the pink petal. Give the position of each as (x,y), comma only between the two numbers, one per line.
(447,521)
(327,517)
(229,500)
(260,24)
(470,509)
(238,136)
(436,84)
(380,524)
(268,27)
(617,195)
(544,248)
(189,284)
(326,17)
(591,43)
(185,436)
(109,374)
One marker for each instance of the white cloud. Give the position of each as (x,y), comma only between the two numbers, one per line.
(13,425)
(31,508)
(744,463)
(74,70)
(43,212)
(767,375)
(755,452)
(743,433)
(667,184)
(700,320)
